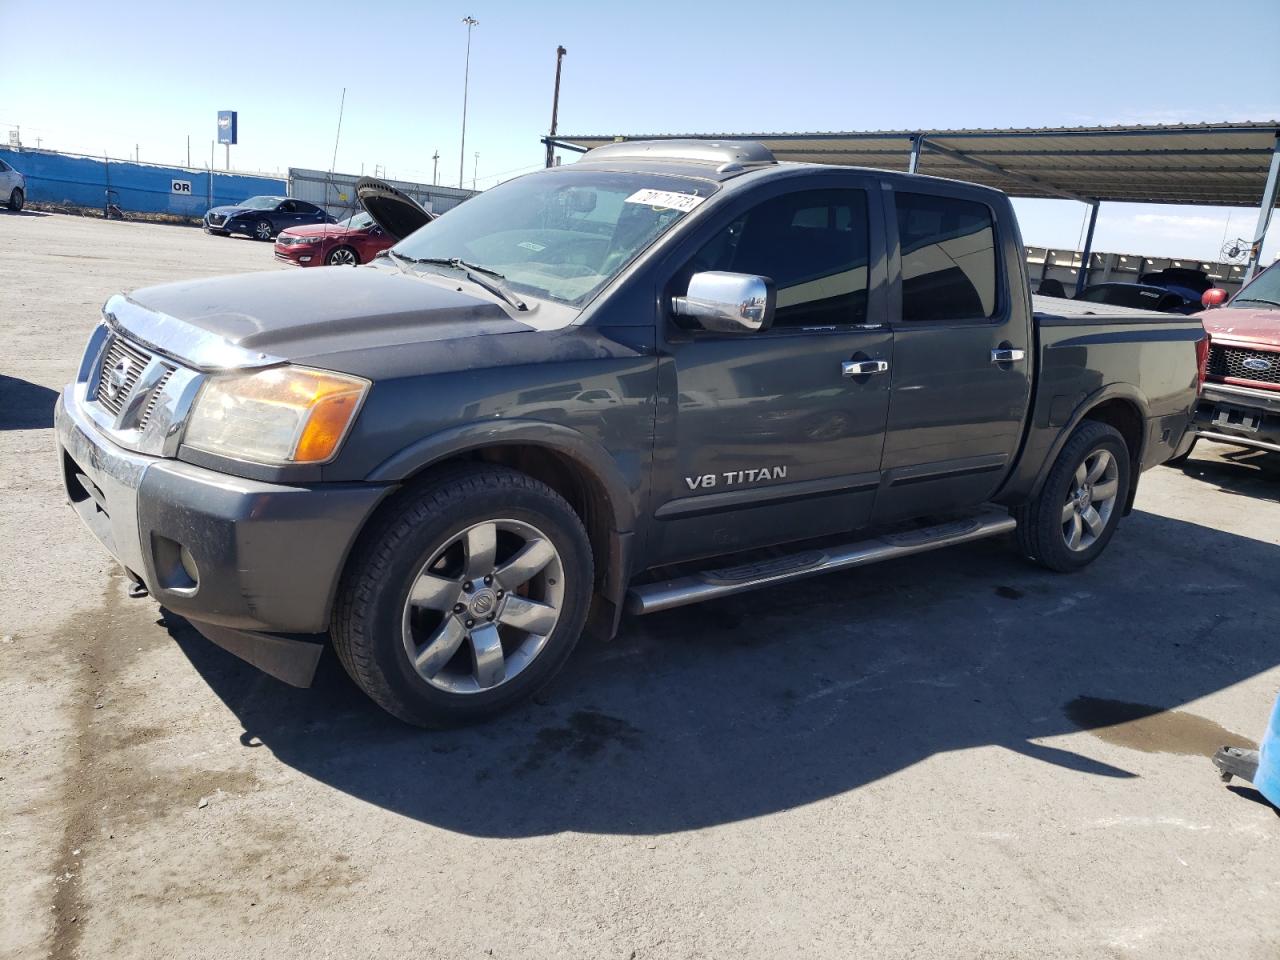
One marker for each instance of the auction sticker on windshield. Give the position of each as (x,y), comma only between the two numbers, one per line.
(666,199)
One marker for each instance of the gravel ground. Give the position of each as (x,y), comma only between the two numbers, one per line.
(956,754)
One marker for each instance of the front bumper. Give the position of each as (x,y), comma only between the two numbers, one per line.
(1241,415)
(300,254)
(245,561)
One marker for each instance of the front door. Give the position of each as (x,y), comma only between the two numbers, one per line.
(770,437)
(962,354)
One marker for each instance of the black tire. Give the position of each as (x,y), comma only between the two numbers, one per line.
(15,199)
(368,619)
(1040,533)
(262,230)
(344,256)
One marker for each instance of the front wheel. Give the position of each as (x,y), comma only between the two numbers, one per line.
(262,230)
(1073,519)
(15,199)
(342,257)
(464,597)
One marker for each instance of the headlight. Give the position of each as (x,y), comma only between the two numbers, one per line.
(307,239)
(277,416)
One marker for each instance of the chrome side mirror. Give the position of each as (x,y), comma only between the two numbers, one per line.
(728,302)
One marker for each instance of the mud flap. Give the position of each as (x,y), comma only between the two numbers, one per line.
(291,659)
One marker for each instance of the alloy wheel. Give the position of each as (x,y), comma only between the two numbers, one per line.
(1091,499)
(342,257)
(482,607)
(262,230)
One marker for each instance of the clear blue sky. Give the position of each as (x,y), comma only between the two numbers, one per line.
(89,76)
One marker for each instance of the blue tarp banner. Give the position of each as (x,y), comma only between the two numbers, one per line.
(140,188)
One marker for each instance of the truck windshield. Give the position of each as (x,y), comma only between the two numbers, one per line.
(562,234)
(1264,289)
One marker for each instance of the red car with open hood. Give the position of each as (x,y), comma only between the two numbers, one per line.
(389,216)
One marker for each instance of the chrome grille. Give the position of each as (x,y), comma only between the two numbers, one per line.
(216,219)
(156,392)
(118,351)
(1233,362)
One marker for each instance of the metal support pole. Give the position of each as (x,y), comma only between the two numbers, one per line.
(555,107)
(913,162)
(1264,214)
(466,81)
(1081,277)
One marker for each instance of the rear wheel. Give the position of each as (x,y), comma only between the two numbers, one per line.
(342,257)
(465,597)
(15,199)
(262,230)
(1073,519)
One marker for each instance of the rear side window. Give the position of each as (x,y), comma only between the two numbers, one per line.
(948,258)
(813,245)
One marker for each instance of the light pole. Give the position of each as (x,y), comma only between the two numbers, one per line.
(555,109)
(466,79)
(435,169)
(475,171)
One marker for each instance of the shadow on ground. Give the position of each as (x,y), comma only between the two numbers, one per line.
(762,702)
(25,405)
(1240,471)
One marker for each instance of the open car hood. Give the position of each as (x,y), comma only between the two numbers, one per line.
(396,213)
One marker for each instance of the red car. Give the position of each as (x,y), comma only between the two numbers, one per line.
(345,243)
(388,216)
(1240,394)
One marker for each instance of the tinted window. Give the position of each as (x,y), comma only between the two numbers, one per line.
(4,167)
(948,258)
(813,245)
(301,206)
(288,207)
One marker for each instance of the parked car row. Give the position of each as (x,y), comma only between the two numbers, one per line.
(308,236)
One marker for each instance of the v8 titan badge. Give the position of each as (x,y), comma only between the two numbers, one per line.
(736,478)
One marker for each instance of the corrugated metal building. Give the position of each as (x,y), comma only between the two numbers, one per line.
(336,192)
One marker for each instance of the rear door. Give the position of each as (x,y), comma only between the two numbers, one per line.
(962,356)
(767,439)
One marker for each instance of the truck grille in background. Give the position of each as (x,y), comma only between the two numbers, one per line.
(117,352)
(1230,362)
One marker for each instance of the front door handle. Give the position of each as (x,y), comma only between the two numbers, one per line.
(861,368)
(1007,355)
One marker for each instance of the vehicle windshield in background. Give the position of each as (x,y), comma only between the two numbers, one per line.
(358,222)
(261,203)
(1265,289)
(563,234)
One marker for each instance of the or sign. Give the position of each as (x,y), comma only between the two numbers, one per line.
(181,186)
(227,126)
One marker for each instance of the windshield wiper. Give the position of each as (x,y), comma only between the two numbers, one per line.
(1271,303)
(470,270)
(397,259)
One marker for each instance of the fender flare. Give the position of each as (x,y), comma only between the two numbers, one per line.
(1112,391)
(554,436)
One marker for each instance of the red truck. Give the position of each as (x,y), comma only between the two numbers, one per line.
(1240,396)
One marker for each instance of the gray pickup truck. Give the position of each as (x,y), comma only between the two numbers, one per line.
(668,373)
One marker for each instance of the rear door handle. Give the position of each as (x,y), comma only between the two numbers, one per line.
(861,368)
(1007,355)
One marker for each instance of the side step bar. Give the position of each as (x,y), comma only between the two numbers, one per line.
(708,584)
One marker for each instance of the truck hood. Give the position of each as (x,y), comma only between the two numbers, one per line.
(1259,326)
(261,318)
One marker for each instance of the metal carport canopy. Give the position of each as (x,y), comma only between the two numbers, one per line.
(1207,164)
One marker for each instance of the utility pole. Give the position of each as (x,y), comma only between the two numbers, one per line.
(466,80)
(188,150)
(435,168)
(475,171)
(555,108)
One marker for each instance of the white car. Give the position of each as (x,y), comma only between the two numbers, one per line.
(13,187)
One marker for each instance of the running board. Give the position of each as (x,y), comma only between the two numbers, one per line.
(708,584)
